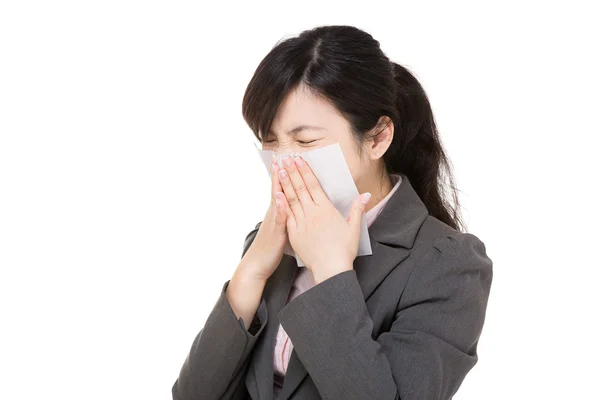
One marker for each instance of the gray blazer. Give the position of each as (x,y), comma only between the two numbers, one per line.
(403,324)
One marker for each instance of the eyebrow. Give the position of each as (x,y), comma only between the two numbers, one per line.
(299,129)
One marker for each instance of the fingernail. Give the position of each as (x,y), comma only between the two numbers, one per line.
(299,161)
(288,161)
(365,197)
(283,173)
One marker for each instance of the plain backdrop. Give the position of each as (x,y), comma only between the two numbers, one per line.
(128,179)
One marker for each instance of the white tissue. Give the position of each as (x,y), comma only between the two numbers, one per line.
(330,168)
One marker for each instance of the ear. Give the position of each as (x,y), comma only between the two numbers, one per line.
(380,138)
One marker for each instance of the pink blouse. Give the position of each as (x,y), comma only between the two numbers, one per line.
(303,282)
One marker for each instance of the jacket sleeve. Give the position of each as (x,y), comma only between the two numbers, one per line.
(431,344)
(217,363)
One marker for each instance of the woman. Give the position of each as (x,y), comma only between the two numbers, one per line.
(402,323)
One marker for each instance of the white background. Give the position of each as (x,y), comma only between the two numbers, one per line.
(128,179)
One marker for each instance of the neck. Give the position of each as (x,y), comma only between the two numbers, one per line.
(379,188)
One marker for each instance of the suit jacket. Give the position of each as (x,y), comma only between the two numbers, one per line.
(403,324)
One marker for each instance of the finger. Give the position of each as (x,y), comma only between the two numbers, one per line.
(283,210)
(312,183)
(281,206)
(277,195)
(275,184)
(297,182)
(357,210)
(293,201)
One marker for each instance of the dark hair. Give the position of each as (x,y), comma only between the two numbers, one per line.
(347,67)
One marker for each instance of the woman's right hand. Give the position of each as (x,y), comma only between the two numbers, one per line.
(265,252)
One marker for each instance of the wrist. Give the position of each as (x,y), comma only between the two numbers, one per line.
(322,274)
(247,272)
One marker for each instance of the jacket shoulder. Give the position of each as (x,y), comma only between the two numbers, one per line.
(444,238)
(453,275)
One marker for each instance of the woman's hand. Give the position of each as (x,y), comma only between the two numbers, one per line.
(265,252)
(322,238)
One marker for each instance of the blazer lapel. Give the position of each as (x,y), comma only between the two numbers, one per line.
(392,235)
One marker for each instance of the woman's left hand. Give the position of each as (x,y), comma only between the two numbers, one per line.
(322,238)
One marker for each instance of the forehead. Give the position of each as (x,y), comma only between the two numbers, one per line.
(301,107)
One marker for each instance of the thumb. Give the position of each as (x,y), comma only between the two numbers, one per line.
(358,208)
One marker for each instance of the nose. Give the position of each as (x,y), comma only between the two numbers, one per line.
(285,149)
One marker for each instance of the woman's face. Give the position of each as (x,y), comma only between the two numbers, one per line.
(306,122)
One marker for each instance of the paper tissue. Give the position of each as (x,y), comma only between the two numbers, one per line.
(330,168)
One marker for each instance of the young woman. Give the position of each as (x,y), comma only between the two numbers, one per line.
(402,323)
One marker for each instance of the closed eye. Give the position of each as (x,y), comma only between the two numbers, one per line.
(301,142)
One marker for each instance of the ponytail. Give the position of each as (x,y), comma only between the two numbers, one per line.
(417,152)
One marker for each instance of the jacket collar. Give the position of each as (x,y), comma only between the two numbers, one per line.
(392,235)
(401,218)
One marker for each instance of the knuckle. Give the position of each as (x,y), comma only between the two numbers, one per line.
(301,188)
(293,201)
(312,186)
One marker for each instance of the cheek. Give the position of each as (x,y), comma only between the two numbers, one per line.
(353,160)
